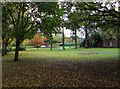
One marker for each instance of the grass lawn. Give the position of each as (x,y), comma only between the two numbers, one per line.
(81,67)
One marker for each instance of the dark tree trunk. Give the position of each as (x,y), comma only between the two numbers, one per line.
(51,41)
(118,61)
(86,38)
(118,40)
(118,64)
(63,39)
(3,48)
(17,50)
(51,45)
(37,47)
(75,39)
(5,45)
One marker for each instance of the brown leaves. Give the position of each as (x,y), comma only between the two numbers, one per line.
(60,74)
(38,40)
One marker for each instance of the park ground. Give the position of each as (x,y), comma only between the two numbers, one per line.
(90,67)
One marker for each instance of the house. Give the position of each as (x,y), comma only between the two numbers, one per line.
(110,43)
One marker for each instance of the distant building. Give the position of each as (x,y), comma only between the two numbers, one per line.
(110,43)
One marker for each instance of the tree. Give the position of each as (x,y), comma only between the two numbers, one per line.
(66,7)
(71,22)
(7,35)
(57,38)
(26,42)
(21,15)
(50,19)
(109,17)
(38,41)
(79,18)
(94,15)
(74,25)
(49,25)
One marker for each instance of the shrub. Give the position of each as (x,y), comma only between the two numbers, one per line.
(67,44)
(9,49)
(21,49)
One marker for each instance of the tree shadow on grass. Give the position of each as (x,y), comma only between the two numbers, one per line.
(61,74)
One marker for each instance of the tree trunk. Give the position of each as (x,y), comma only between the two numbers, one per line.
(3,48)
(51,41)
(75,39)
(51,45)
(118,40)
(63,39)
(86,38)
(118,61)
(17,50)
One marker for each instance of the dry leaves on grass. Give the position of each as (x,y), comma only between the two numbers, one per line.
(60,74)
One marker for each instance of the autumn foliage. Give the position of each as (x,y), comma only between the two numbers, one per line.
(38,40)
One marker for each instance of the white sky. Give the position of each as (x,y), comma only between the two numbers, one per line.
(80,33)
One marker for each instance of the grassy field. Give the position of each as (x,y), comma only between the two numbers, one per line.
(70,54)
(91,67)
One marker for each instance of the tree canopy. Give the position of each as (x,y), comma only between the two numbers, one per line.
(21,20)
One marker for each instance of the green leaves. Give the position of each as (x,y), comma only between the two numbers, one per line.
(50,17)
(47,7)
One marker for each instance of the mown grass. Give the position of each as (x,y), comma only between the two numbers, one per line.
(70,54)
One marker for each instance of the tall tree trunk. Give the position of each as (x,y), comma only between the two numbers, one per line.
(86,37)
(3,48)
(17,50)
(118,40)
(118,61)
(51,41)
(5,44)
(75,39)
(51,45)
(63,38)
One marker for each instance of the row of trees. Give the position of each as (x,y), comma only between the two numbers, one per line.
(21,20)
(96,18)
